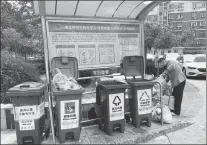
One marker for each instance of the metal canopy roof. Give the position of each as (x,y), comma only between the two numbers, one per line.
(100,8)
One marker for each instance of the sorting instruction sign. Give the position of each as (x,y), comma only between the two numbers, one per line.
(41,110)
(116,106)
(25,112)
(26,124)
(144,101)
(69,114)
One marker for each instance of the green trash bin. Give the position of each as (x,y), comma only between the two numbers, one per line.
(111,97)
(141,90)
(68,103)
(28,102)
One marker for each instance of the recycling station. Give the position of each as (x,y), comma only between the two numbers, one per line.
(89,36)
(28,102)
(68,103)
(111,97)
(141,89)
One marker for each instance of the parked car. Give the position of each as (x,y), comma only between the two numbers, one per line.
(194,65)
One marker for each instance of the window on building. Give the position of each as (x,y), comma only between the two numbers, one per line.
(198,5)
(193,33)
(180,5)
(160,13)
(203,15)
(194,15)
(179,16)
(202,33)
(179,24)
(203,4)
(171,6)
(203,23)
(198,42)
(193,24)
(170,16)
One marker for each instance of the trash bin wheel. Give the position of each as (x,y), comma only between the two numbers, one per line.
(127,117)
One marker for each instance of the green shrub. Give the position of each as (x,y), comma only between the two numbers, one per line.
(14,72)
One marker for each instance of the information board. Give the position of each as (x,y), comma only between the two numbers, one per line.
(69,114)
(94,44)
(116,106)
(144,100)
(26,112)
(27,124)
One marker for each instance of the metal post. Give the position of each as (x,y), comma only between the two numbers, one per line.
(161,102)
(142,45)
(47,76)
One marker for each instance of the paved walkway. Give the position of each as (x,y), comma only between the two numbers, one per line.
(92,135)
(194,134)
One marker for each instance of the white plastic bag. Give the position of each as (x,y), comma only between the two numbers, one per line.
(62,83)
(157,114)
(167,116)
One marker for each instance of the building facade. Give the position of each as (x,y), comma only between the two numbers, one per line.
(188,16)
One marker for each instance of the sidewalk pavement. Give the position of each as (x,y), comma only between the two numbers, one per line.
(194,134)
(92,135)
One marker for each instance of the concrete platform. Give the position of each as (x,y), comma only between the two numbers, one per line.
(132,135)
(92,135)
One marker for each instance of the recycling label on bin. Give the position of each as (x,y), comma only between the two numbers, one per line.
(144,101)
(26,112)
(26,124)
(116,106)
(69,114)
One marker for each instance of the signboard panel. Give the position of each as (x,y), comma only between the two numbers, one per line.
(27,124)
(116,106)
(26,112)
(144,100)
(69,114)
(94,44)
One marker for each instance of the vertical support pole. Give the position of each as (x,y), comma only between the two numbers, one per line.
(46,54)
(143,51)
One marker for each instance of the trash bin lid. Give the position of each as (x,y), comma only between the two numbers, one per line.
(26,89)
(133,66)
(67,65)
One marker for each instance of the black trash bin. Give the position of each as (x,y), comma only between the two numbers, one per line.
(111,97)
(28,101)
(68,103)
(141,90)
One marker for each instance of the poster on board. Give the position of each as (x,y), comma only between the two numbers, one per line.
(69,114)
(116,106)
(144,100)
(26,124)
(94,44)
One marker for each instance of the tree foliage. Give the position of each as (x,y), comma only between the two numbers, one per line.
(162,37)
(21,29)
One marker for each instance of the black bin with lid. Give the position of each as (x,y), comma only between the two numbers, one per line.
(111,97)
(141,89)
(28,101)
(68,103)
